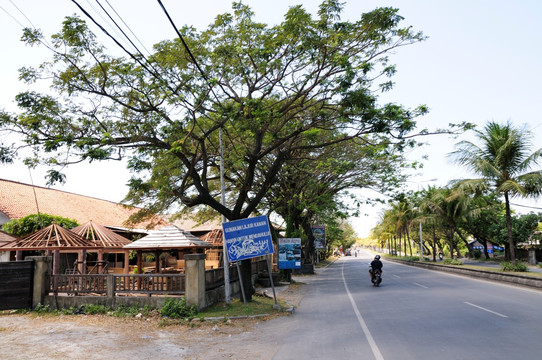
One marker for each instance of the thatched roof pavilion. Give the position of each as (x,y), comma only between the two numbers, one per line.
(52,237)
(214,237)
(167,238)
(56,239)
(110,242)
(101,236)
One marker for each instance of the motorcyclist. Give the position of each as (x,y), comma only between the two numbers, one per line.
(376,264)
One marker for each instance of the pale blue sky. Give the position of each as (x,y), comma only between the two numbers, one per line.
(481,62)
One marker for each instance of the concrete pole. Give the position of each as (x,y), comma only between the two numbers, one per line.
(195,280)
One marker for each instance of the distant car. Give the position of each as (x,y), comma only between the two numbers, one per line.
(348,253)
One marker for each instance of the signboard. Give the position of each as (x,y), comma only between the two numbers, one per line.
(319,233)
(289,253)
(247,238)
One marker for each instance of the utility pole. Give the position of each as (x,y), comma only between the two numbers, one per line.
(227,291)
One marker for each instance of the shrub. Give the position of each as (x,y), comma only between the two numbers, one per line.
(92,309)
(178,309)
(42,309)
(452,262)
(508,266)
(477,253)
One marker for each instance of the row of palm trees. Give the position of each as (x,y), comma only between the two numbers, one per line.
(469,208)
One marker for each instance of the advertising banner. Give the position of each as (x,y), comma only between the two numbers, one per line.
(247,238)
(319,233)
(289,253)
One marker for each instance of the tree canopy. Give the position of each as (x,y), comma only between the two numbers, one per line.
(275,91)
(505,164)
(278,94)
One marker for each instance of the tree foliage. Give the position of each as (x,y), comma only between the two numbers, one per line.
(505,164)
(275,91)
(278,93)
(34,222)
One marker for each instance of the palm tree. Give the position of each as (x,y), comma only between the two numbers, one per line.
(504,164)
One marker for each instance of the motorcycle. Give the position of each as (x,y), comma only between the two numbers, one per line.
(377,277)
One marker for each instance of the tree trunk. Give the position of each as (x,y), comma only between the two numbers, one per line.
(451,239)
(469,248)
(511,245)
(486,253)
(434,244)
(246,275)
(409,241)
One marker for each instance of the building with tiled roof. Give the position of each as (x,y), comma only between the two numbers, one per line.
(4,239)
(18,200)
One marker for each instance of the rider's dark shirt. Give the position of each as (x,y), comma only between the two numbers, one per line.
(376,265)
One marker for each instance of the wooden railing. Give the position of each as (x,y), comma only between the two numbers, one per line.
(112,284)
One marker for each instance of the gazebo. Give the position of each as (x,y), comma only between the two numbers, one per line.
(108,241)
(215,254)
(55,239)
(166,239)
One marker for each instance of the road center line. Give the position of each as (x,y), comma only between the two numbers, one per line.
(374,347)
(420,285)
(489,311)
(397,276)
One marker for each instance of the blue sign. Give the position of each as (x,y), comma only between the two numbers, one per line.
(247,238)
(289,253)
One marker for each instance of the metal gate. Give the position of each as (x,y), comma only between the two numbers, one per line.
(16,284)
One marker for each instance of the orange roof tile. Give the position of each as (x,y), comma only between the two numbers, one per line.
(5,237)
(17,200)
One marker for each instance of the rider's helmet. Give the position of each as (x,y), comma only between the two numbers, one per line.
(377,257)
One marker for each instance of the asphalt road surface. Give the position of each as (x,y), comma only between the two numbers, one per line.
(414,314)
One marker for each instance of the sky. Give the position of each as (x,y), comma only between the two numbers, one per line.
(480,63)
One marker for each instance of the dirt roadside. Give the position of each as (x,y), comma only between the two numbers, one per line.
(100,337)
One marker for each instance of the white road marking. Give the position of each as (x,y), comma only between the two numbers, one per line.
(489,311)
(397,276)
(374,347)
(420,285)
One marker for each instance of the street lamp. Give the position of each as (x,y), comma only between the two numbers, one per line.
(421,237)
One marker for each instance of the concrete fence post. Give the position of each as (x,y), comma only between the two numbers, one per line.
(41,278)
(195,280)
(110,286)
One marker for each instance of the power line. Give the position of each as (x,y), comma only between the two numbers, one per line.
(121,19)
(122,31)
(152,71)
(526,206)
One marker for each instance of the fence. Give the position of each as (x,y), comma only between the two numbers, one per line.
(103,284)
(16,284)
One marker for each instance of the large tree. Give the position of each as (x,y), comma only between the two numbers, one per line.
(273,91)
(315,186)
(505,163)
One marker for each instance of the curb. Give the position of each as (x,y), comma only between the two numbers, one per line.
(523,280)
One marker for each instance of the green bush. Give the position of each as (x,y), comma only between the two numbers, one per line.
(178,309)
(92,309)
(452,262)
(508,266)
(42,309)
(477,253)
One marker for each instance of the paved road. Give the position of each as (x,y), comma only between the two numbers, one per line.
(414,314)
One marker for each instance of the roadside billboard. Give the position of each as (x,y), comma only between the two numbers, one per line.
(319,233)
(247,238)
(289,253)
